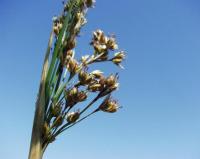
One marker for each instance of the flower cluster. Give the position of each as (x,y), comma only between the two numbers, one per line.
(103,43)
(109,105)
(74,96)
(70,81)
(57,25)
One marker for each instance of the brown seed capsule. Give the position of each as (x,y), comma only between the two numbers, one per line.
(97,35)
(60,26)
(109,105)
(120,55)
(81,96)
(84,78)
(118,58)
(55,110)
(103,39)
(102,80)
(110,81)
(95,87)
(111,44)
(71,96)
(56,30)
(70,53)
(72,117)
(99,48)
(71,44)
(97,73)
(57,121)
(117,61)
(73,66)
(72,93)
(90,3)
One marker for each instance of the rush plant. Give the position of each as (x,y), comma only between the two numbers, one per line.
(66,81)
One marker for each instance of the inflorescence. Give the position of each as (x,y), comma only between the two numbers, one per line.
(69,80)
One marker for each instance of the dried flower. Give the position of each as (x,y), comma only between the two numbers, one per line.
(102,80)
(110,84)
(57,26)
(111,44)
(70,53)
(98,35)
(73,66)
(72,117)
(80,19)
(84,59)
(90,3)
(111,80)
(56,30)
(99,41)
(102,43)
(67,56)
(55,110)
(97,73)
(84,78)
(118,58)
(99,48)
(57,121)
(81,96)
(71,44)
(70,96)
(109,105)
(73,96)
(95,87)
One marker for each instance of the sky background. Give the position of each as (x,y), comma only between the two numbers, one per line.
(159,90)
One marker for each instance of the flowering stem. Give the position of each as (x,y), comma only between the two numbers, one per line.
(36,140)
(80,120)
(90,104)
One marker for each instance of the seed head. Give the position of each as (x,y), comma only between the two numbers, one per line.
(111,44)
(84,59)
(81,96)
(102,43)
(55,110)
(57,26)
(98,35)
(97,73)
(111,80)
(73,92)
(71,96)
(72,117)
(56,30)
(90,3)
(99,48)
(95,87)
(71,44)
(109,105)
(118,58)
(110,84)
(57,121)
(84,78)
(73,66)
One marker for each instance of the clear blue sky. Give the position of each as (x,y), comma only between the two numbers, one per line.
(160,87)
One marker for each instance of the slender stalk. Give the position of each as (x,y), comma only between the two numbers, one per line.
(67,124)
(35,151)
(79,120)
